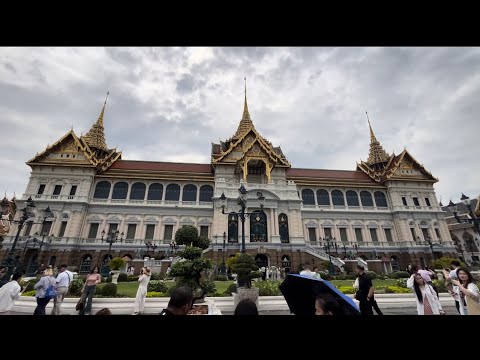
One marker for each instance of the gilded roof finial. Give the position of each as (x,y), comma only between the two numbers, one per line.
(100,117)
(246,115)
(377,154)
(95,137)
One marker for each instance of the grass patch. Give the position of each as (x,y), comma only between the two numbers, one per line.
(221,286)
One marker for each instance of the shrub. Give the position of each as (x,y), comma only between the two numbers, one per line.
(341,277)
(399,275)
(132,278)
(325,275)
(347,289)
(232,288)
(221,278)
(28,285)
(208,287)
(401,283)
(157,286)
(29,293)
(109,279)
(246,269)
(444,262)
(76,288)
(440,284)
(122,277)
(116,263)
(381,277)
(268,288)
(156,277)
(109,290)
(371,274)
(396,290)
(98,290)
(152,294)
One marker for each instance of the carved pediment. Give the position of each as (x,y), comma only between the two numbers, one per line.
(311,223)
(169,221)
(327,223)
(132,219)
(187,221)
(205,221)
(94,218)
(113,218)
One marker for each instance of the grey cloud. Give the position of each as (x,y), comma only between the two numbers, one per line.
(311,100)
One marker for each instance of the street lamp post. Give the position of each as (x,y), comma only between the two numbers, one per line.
(327,247)
(10,262)
(174,246)
(242,201)
(112,237)
(149,246)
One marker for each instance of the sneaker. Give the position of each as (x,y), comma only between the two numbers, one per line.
(135,313)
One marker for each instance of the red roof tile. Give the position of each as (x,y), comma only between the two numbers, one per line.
(328,174)
(161,166)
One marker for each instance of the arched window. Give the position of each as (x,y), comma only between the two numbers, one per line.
(189,193)
(380,199)
(308,197)
(283,228)
(155,192)
(206,193)
(120,190)
(322,197)
(352,198)
(395,264)
(286,264)
(138,191)
(366,198)
(102,190)
(337,198)
(232,228)
(172,192)
(52,261)
(261,260)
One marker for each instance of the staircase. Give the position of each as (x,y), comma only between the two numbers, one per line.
(324,256)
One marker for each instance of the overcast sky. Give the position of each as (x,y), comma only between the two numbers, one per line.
(168,104)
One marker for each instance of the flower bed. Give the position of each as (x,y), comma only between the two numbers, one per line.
(198,310)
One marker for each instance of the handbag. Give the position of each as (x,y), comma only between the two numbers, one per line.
(80,305)
(50,292)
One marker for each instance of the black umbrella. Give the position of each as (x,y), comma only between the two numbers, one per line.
(301,291)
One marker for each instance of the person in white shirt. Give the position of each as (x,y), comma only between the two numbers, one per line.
(454,290)
(469,292)
(427,300)
(63,281)
(144,278)
(306,271)
(10,292)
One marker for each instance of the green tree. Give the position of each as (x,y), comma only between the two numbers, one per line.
(188,235)
(244,266)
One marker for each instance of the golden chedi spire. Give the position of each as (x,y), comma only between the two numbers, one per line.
(246,123)
(95,138)
(376,155)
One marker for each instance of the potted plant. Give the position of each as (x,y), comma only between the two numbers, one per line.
(244,266)
(115,265)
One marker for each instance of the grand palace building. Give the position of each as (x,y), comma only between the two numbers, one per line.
(383,212)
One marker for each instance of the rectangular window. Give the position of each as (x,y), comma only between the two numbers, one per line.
(358,235)
(131,230)
(343,234)
(62,229)
(414,235)
(427,201)
(425,234)
(57,190)
(150,232)
(328,232)
(112,228)
(41,189)
(404,201)
(73,190)
(47,225)
(415,201)
(437,232)
(28,229)
(92,233)
(168,232)
(312,234)
(204,231)
(388,235)
(373,234)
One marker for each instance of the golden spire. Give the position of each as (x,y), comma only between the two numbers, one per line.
(377,154)
(95,138)
(246,123)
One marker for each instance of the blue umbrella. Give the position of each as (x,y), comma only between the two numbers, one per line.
(300,292)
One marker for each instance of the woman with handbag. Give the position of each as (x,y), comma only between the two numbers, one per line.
(88,290)
(469,292)
(46,282)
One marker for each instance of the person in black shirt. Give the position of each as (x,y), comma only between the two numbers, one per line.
(180,302)
(364,293)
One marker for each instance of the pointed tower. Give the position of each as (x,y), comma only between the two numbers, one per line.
(377,156)
(95,138)
(246,123)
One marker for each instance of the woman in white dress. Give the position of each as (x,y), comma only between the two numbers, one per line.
(427,299)
(143,279)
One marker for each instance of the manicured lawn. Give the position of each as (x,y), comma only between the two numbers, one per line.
(222,286)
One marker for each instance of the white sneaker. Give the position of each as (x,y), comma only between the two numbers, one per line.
(135,313)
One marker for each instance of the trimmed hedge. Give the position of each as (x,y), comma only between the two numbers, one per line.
(268,288)
(157,286)
(109,289)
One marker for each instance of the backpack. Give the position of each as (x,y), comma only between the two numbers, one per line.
(50,292)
